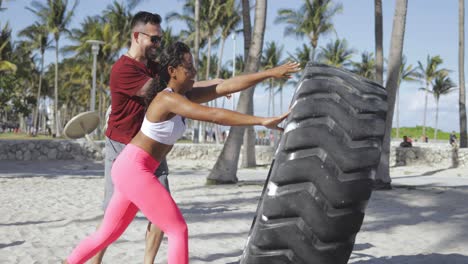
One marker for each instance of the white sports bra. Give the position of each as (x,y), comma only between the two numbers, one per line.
(166,132)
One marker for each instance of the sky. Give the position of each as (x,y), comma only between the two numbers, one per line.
(431,29)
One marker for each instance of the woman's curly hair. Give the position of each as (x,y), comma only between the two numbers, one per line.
(172,55)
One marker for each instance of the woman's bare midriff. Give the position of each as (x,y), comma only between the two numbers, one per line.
(157,150)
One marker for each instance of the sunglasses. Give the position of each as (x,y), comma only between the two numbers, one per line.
(154,39)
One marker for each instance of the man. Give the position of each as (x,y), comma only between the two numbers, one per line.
(453,139)
(406,143)
(131,80)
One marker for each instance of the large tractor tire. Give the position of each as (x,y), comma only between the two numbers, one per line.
(321,178)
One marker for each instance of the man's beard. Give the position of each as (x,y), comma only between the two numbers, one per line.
(151,53)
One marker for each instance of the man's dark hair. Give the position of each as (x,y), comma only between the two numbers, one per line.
(144,18)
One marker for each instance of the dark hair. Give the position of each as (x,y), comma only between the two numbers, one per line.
(144,18)
(172,55)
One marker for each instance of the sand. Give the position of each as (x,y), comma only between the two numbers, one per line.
(49,206)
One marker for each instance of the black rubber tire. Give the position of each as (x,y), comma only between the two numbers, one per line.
(322,174)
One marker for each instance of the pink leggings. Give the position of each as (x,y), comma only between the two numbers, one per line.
(136,188)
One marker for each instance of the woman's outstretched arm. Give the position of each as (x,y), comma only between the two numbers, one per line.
(242,82)
(180,105)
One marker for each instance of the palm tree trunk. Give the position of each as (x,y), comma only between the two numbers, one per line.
(100,106)
(461,74)
(56,116)
(281,99)
(197,34)
(398,113)
(220,56)
(273,111)
(312,54)
(270,107)
(208,59)
(207,77)
(436,119)
(396,49)
(378,42)
(218,71)
(248,157)
(247,27)
(196,131)
(36,115)
(425,110)
(249,160)
(269,97)
(225,168)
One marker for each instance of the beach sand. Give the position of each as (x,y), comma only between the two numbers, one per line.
(49,206)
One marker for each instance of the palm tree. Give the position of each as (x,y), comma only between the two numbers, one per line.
(97,28)
(6,66)
(6,50)
(57,17)
(229,22)
(211,11)
(247,27)
(365,68)
(212,20)
(442,85)
(119,17)
(336,53)
(197,35)
(26,75)
(248,159)
(396,50)
(301,55)
(427,74)
(225,168)
(408,74)
(461,74)
(313,19)
(38,37)
(75,77)
(281,84)
(240,64)
(203,65)
(379,61)
(168,38)
(272,57)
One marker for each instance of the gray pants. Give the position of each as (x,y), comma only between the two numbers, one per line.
(113,149)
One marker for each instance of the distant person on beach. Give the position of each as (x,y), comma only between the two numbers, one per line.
(453,139)
(424,139)
(406,143)
(164,122)
(132,78)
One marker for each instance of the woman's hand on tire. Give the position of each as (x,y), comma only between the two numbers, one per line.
(285,70)
(273,122)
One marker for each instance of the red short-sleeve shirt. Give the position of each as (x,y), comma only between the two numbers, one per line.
(128,110)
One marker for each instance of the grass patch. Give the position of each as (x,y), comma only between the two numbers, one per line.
(416,133)
(23,136)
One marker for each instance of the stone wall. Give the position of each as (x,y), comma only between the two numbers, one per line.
(81,150)
(419,154)
(48,150)
(428,154)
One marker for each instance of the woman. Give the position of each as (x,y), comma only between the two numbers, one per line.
(164,123)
